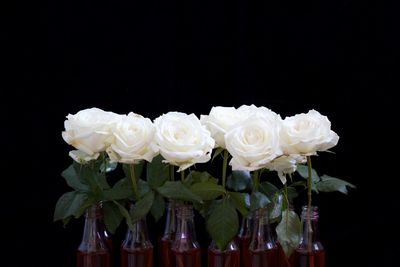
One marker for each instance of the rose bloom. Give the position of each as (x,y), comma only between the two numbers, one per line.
(254,142)
(89,131)
(133,139)
(306,134)
(285,165)
(182,140)
(220,120)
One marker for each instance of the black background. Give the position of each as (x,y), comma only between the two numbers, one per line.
(336,56)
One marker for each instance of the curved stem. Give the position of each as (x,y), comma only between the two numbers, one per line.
(224,167)
(134,182)
(309,193)
(171,173)
(256,178)
(183,176)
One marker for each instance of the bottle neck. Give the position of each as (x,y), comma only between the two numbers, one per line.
(261,238)
(245,227)
(170,221)
(138,235)
(92,238)
(185,236)
(310,231)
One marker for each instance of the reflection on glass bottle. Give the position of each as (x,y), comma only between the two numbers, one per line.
(310,252)
(136,249)
(165,242)
(102,227)
(243,239)
(93,250)
(263,251)
(185,248)
(230,257)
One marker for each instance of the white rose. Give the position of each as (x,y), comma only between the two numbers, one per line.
(285,164)
(89,130)
(220,120)
(81,157)
(182,140)
(253,111)
(253,143)
(133,138)
(307,133)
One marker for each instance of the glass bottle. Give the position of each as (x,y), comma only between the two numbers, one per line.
(102,227)
(310,252)
(165,242)
(243,239)
(93,250)
(136,249)
(230,257)
(185,248)
(263,251)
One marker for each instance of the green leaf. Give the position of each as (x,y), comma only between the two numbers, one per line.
(71,177)
(299,183)
(158,207)
(143,187)
(126,214)
(199,177)
(239,181)
(121,190)
(241,201)
(303,171)
(142,207)
(289,231)
(331,184)
(223,223)
(217,152)
(203,208)
(207,190)
(268,189)
(89,201)
(275,207)
(157,172)
(112,216)
(68,204)
(108,166)
(292,193)
(176,190)
(258,200)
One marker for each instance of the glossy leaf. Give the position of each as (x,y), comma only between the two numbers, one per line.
(303,171)
(241,201)
(199,177)
(158,207)
(68,205)
(223,222)
(332,184)
(239,181)
(71,177)
(258,200)
(176,190)
(142,207)
(112,216)
(268,189)
(157,172)
(289,231)
(207,190)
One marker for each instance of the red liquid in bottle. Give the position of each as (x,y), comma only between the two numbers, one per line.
(283,260)
(301,258)
(137,258)
(243,242)
(265,258)
(191,258)
(164,253)
(224,259)
(93,259)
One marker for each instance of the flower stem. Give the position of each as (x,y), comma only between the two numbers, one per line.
(309,193)
(182,176)
(256,178)
(285,190)
(134,182)
(171,173)
(224,167)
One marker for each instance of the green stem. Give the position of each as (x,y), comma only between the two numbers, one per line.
(171,173)
(224,167)
(183,176)
(309,193)
(134,182)
(285,190)
(256,178)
